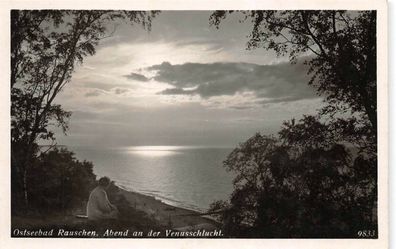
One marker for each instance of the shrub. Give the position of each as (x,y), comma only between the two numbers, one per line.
(58,181)
(289,187)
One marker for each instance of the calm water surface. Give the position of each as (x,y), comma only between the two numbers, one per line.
(190,177)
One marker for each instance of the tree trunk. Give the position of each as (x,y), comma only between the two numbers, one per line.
(369,109)
(25,166)
(24,187)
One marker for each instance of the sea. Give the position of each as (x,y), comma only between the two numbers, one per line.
(190,177)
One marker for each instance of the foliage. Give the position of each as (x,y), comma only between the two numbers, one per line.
(58,181)
(287,189)
(46,46)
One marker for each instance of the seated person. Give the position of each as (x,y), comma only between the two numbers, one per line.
(99,206)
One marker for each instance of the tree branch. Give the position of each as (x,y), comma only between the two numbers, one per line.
(306,23)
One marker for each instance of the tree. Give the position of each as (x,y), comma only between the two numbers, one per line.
(285,188)
(46,45)
(317,178)
(57,181)
(338,46)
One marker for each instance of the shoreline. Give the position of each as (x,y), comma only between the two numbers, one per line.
(168,202)
(178,218)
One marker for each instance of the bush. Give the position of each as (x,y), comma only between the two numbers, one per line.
(57,181)
(299,185)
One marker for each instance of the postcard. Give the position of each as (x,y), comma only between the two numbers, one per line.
(180,124)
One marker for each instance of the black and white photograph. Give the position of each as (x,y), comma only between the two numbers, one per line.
(203,124)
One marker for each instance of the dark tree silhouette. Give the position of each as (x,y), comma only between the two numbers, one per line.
(46,45)
(284,189)
(59,182)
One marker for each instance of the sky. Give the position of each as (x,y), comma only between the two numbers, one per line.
(183,83)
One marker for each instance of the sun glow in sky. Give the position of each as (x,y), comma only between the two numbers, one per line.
(182,83)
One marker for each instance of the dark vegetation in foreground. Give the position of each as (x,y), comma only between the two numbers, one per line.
(283,192)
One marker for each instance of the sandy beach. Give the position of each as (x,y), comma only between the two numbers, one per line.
(167,215)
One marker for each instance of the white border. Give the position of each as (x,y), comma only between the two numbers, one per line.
(392,119)
(5,226)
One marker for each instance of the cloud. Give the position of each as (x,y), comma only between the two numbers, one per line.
(242,107)
(275,83)
(98,85)
(94,93)
(176,91)
(100,92)
(136,76)
(120,90)
(85,115)
(279,100)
